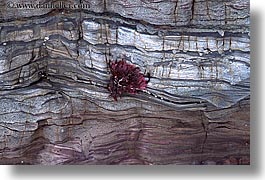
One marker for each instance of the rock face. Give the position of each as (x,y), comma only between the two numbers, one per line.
(55,107)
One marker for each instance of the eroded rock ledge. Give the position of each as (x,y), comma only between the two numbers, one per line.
(55,107)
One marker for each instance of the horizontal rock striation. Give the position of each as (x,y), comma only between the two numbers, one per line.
(55,107)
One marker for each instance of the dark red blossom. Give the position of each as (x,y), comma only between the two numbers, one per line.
(125,78)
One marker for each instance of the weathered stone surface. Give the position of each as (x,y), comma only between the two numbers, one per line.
(54,103)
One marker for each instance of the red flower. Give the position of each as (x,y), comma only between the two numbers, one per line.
(125,78)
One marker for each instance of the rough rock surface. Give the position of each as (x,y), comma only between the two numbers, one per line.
(54,103)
